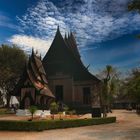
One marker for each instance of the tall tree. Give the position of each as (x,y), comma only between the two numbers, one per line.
(132,85)
(134,5)
(1,99)
(109,78)
(12,61)
(130,88)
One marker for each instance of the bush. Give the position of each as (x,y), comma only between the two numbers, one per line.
(65,108)
(52,124)
(54,107)
(22,125)
(32,110)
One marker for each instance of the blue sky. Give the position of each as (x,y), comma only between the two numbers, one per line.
(105,31)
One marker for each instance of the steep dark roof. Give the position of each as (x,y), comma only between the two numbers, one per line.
(35,73)
(71,43)
(63,56)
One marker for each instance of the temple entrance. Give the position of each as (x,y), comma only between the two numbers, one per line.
(86,96)
(42,101)
(27,103)
(59,92)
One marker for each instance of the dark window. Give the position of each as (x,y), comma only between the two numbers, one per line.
(42,101)
(27,102)
(86,95)
(59,93)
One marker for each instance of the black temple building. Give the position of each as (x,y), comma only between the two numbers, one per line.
(68,78)
(61,76)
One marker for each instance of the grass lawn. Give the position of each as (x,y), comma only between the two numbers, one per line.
(5,111)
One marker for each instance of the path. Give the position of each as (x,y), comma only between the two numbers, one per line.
(127,127)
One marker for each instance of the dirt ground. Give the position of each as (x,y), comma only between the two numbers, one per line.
(127,127)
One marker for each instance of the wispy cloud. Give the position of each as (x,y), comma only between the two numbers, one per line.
(29,42)
(5,21)
(91,20)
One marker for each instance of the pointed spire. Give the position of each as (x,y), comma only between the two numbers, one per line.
(65,36)
(32,55)
(58,33)
(40,56)
(37,53)
(32,51)
(71,34)
(58,29)
(73,37)
(68,35)
(26,64)
(58,41)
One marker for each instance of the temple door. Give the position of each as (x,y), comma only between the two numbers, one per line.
(27,103)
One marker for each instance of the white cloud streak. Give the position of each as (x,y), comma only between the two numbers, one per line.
(29,42)
(6,22)
(93,21)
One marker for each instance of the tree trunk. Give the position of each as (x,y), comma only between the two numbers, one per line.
(8,101)
(32,116)
(52,116)
(104,111)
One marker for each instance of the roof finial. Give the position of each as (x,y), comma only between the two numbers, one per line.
(36,52)
(71,34)
(40,56)
(58,28)
(68,35)
(32,51)
(65,35)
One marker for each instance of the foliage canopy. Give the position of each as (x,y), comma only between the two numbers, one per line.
(12,62)
(132,86)
(134,5)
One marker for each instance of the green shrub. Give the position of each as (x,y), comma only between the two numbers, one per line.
(54,107)
(22,125)
(32,110)
(65,108)
(52,124)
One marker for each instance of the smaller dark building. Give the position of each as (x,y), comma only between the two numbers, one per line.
(32,88)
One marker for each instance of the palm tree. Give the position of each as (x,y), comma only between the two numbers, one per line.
(108,89)
(32,110)
(109,70)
